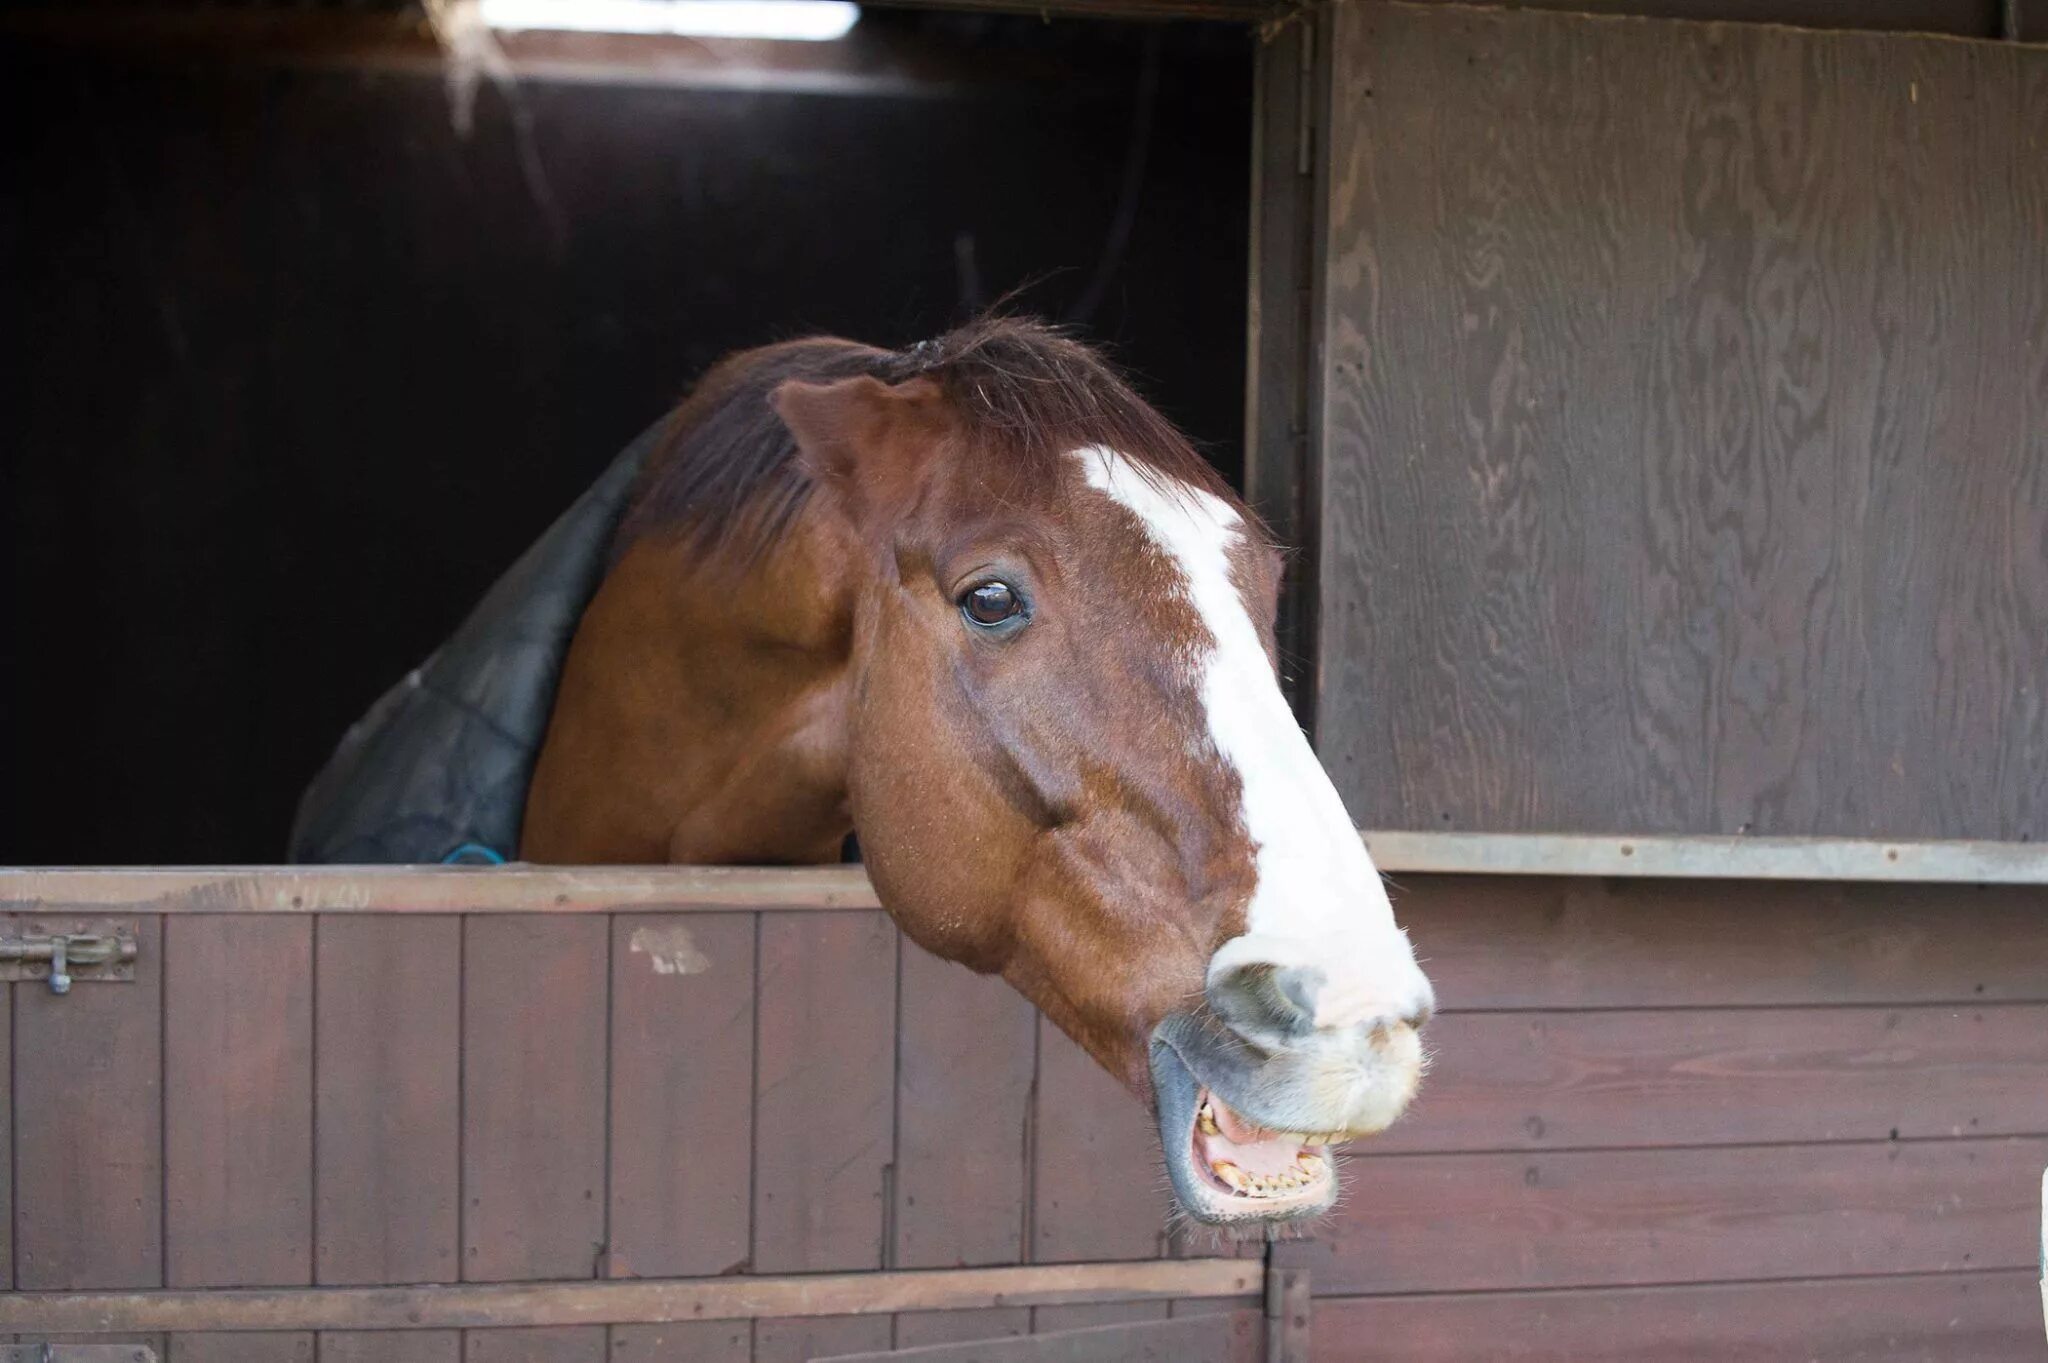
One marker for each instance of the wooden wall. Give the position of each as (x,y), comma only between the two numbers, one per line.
(1685,428)
(1666,1120)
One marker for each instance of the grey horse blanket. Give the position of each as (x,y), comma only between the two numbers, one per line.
(442,761)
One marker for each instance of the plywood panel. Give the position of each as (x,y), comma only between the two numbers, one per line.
(698,1341)
(825,1090)
(1982,1317)
(1430,1223)
(1097,1192)
(1497,942)
(963,1106)
(1503,1081)
(682,1049)
(533,1081)
(389,1115)
(254,1347)
(571,1344)
(1678,472)
(391,1346)
(88,1169)
(238,1105)
(915,1328)
(800,1341)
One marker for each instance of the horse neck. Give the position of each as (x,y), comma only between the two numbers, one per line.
(701,715)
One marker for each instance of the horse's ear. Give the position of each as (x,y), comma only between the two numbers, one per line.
(865,440)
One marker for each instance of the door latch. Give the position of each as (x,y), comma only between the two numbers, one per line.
(68,950)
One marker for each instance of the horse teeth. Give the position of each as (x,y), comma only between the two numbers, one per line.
(1207,1118)
(1231,1175)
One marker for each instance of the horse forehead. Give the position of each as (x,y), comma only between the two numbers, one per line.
(1203,539)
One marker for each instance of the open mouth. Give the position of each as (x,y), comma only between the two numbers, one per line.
(1226,1167)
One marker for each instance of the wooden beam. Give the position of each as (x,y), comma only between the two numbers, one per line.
(627,1301)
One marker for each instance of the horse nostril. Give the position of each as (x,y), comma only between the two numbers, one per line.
(1265,1003)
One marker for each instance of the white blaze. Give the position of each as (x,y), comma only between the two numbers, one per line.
(1318,900)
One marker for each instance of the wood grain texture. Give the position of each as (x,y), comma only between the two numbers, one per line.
(391,1346)
(388,1078)
(1097,1189)
(682,1135)
(1509,1081)
(88,1160)
(566,1344)
(697,1341)
(533,1093)
(1449,1223)
(238,1109)
(7,1125)
(1234,1338)
(1495,943)
(825,1074)
(1682,467)
(818,1337)
(963,1102)
(915,1328)
(242,1348)
(1941,1318)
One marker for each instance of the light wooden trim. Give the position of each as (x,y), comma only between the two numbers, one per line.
(1711,858)
(624,1301)
(710,889)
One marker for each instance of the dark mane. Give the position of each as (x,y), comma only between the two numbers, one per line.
(725,475)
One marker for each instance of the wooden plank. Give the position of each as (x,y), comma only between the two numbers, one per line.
(583,1344)
(802,1341)
(1692,857)
(1510,1081)
(1048,1320)
(629,1301)
(915,1328)
(242,1348)
(436,889)
(533,1094)
(389,1110)
(1515,943)
(1448,1223)
(7,1124)
(1234,1338)
(963,1105)
(391,1346)
(238,1110)
(824,1090)
(696,1341)
(1679,473)
(88,1170)
(1096,1193)
(682,1049)
(1982,1317)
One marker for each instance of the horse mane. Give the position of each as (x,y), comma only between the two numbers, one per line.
(724,475)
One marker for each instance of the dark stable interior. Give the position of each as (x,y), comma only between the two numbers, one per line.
(294,369)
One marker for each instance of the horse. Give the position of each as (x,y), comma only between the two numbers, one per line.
(979,607)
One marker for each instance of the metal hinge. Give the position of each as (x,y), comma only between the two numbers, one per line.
(77,1353)
(64,950)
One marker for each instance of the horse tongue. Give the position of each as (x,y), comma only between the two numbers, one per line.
(1250,1146)
(1240,1130)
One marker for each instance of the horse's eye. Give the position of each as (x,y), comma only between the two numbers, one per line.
(992,604)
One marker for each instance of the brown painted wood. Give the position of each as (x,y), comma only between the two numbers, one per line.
(579,1344)
(388,1028)
(801,1341)
(1942,1318)
(682,1046)
(697,1341)
(1679,473)
(917,1328)
(632,1301)
(1494,942)
(242,1348)
(824,1090)
(1443,1223)
(533,1094)
(1096,1190)
(7,1125)
(435,889)
(1233,1338)
(238,1103)
(88,1170)
(391,1346)
(963,1105)
(1048,1320)
(1507,1081)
